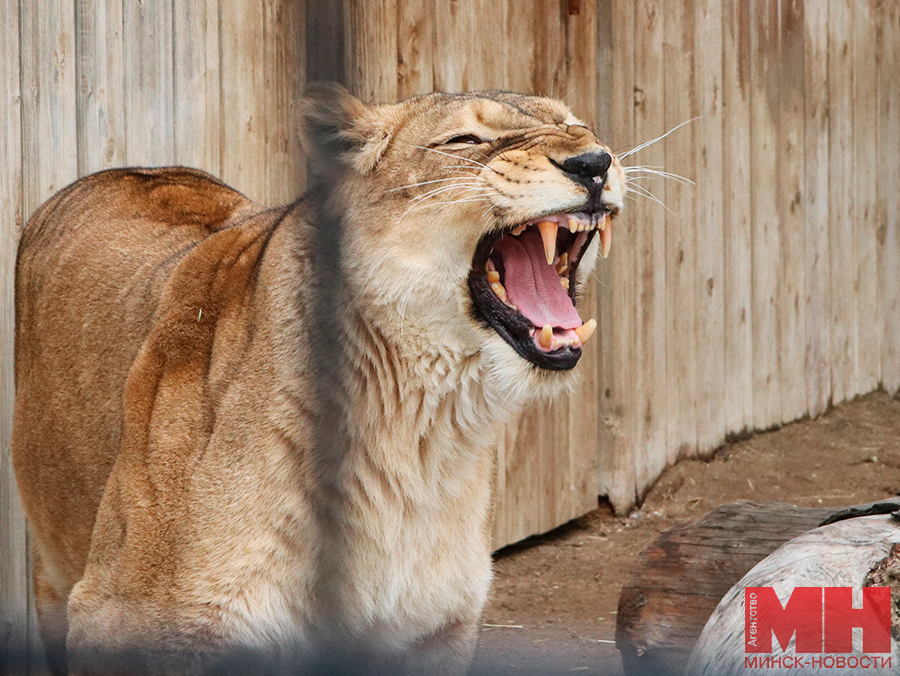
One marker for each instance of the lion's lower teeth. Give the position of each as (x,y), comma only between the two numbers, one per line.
(499,289)
(565,282)
(493,276)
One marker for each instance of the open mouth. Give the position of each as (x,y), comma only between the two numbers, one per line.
(522,284)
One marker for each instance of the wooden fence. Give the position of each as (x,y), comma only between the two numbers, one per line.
(757,296)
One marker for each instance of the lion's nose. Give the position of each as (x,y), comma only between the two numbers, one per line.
(589,168)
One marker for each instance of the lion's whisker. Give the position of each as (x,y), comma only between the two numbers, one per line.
(643,191)
(643,145)
(447,188)
(456,157)
(437,180)
(656,172)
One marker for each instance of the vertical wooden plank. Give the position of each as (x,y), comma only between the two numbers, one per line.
(888,157)
(618,281)
(284,81)
(556,460)
(816,184)
(790,307)
(243,77)
(100,85)
(709,209)
(584,413)
(520,64)
(372,50)
(649,455)
(149,128)
(485,49)
(453,27)
(865,126)
(736,85)
(415,47)
(13,541)
(50,155)
(196,87)
(548,43)
(765,241)
(680,235)
(842,240)
(579,426)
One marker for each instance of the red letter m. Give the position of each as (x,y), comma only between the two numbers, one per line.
(874,618)
(802,614)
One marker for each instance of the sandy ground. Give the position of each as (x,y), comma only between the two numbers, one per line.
(553,605)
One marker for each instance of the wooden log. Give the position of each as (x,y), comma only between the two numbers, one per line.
(680,576)
(850,554)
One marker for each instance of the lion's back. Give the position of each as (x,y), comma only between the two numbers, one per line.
(92,264)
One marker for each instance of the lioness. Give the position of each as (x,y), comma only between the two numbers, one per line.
(162,424)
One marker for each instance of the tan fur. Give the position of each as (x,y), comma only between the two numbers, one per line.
(162,432)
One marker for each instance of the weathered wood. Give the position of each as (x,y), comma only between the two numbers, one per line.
(149,94)
(709,210)
(415,47)
(617,325)
(99,66)
(680,242)
(816,187)
(765,241)
(243,116)
(887,35)
(842,212)
(649,407)
(581,471)
(865,139)
(197,108)
(738,363)
(47,60)
(372,50)
(13,541)
(679,578)
(283,86)
(787,106)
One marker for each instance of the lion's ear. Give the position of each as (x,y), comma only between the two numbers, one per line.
(338,125)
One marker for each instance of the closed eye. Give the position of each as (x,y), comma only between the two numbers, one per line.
(464,139)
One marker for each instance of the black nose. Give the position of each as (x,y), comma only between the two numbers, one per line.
(587,168)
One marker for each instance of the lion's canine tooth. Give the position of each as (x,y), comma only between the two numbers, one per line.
(500,291)
(548,234)
(493,276)
(546,337)
(518,230)
(604,221)
(586,330)
(606,240)
(489,266)
(565,282)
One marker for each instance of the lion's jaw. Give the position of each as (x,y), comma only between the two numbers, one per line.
(433,192)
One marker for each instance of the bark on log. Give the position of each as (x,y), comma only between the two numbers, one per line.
(680,577)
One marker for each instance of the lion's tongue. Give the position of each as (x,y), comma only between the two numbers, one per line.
(532,285)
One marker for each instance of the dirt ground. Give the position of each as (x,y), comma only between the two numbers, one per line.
(553,604)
